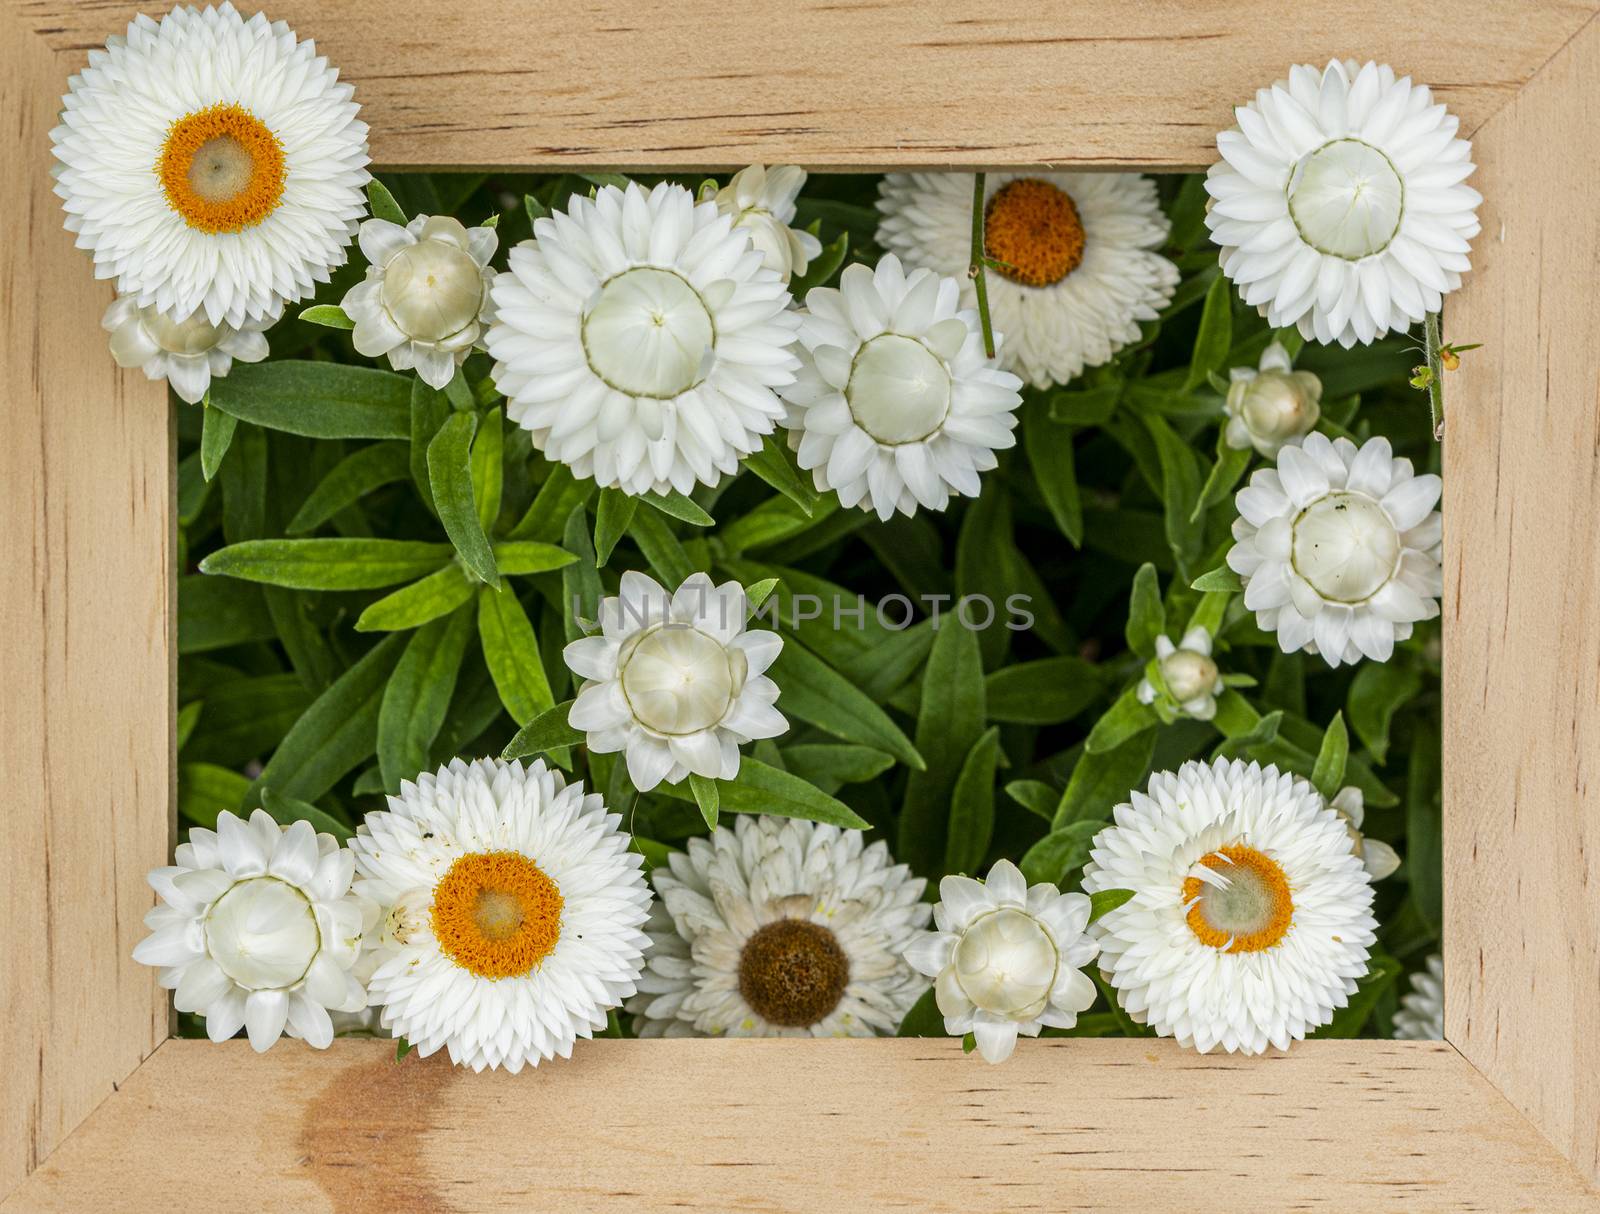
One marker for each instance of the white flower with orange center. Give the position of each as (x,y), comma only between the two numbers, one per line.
(762,203)
(676,682)
(1078,267)
(211,164)
(188,354)
(1421,1013)
(1006,958)
(1340,202)
(425,295)
(257,928)
(1251,918)
(780,928)
(1339,548)
(512,907)
(1271,404)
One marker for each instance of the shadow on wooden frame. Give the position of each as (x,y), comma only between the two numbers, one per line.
(101,1111)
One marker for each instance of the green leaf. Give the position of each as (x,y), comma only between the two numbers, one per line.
(521,557)
(546,519)
(327,564)
(1052,456)
(1349,1020)
(757,593)
(205,790)
(428,411)
(1147,618)
(1104,901)
(511,651)
(330,316)
(611,518)
(972,807)
(288,810)
(813,692)
(924,1019)
(1328,775)
(1424,848)
(383,204)
(1061,853)
(775,465)
(1035,796)
(337,733)
(1043,692)
(188,718)
(1377,692)
(450,477)
(1085,406)
(1123,720)
(546,733)
(246,717)
(983,567)
(580,581)
(355,476)
(214,613)
(402,1047)
(948,724)
(216,436)
(705,796)
(829,765)
(822,267)
(661,548)
(1215,336)
(438,594)
(1101,781)
(1226,473)
(1180,491)
(1217,580)
(317,399)
(417,697)
(488,471)
(679,507)
(459,394)
(762,789)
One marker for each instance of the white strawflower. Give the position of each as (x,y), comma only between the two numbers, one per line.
(780,928)
(1251,918)
(425,294)
(675,681)
(512,907)
(1339,548)
(1379,859)
(1420,1016)
(189,353)
(211,164)
(1192,679)
(761,201)
(1080,268)
(257,928)
(1006,958)
(1340,202)
(896,405)
(640,339)
(1272,405)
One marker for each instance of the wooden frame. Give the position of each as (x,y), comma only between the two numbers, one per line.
(1504,1115)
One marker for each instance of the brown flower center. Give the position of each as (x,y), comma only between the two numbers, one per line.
(793,973)
(1034,229)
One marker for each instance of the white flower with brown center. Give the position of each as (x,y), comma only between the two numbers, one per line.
(1421,1013)
(1380,859)
(1341,204)
(1272,405)
(1190,680)
(1077,252)
(424,298)
(762,203)
(780,928)
(1006,958)
(1251,918)
(511,912)
(211,164)
(675,681)
(1339,548)
(189,353)
(257,928)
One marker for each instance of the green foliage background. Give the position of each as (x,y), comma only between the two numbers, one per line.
(375,577)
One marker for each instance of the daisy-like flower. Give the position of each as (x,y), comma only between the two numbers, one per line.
(675,681)
(211,164)
(257,928)
(780,928)
(1420,1016)
(422,302)
(1251,918)
(1192,680)
(896,405)
(761,201)
(640,339)
(512,907)
(1340,202)
(1078,270)
(1006,958)
(1339,548)
(187,353)
(1378,857)
(1272,405)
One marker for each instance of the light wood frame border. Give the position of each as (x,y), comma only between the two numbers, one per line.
(102,1111)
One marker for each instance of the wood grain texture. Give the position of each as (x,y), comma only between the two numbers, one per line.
(860,83)
(86,665)
(804,1126)
(1522,622)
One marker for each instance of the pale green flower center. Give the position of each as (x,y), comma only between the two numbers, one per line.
(1346,199)
(263,934)
(432,289)
(899,390)
(678,680)
(1006,963)
(1345,546)
(193,336)
(1189,674)
(649,334)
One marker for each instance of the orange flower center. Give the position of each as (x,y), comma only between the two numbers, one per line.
(496,914)
(222,169)
(1034,229)
(1246,908)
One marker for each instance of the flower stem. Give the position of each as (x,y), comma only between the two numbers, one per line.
(1430,339)
(975,270)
